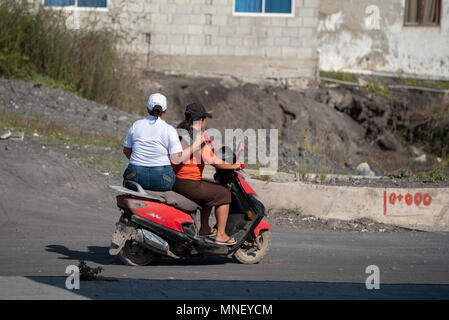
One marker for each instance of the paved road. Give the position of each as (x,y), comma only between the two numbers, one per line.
(47,224)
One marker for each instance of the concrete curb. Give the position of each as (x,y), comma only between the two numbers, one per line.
(422,209)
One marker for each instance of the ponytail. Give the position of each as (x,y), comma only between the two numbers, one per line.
(156,111)
(186,124)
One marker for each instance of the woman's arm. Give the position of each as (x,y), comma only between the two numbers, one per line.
(210,158)
(127,152)
(180,157)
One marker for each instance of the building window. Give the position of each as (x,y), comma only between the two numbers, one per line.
(422,12)
(263,7)
(77,3)
(59,3)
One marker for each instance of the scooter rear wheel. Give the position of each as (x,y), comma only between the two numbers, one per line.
(133,254)
(255,252)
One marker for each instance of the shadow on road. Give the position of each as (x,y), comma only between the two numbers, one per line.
(96,254)
(100,255)
(54,288)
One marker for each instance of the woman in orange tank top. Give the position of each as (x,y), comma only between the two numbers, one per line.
(189,181)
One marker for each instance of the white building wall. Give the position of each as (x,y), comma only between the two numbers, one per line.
(352,39)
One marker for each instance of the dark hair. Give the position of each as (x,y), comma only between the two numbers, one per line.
(186,124)
(156,112)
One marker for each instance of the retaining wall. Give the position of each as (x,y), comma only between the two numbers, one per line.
(425,209)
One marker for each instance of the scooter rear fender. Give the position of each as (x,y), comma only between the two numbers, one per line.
(156,212)
(262,226)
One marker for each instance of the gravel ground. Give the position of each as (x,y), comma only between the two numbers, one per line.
(62,107)
(297,220)
(357,181)
(386,182)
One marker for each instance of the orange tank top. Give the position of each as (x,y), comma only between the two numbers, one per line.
(193,169)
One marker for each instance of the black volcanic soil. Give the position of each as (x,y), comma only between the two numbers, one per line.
(346,125)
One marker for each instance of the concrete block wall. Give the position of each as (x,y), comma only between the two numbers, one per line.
(209,28)
(204,36)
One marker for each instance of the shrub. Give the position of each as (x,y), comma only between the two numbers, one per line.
(36,45)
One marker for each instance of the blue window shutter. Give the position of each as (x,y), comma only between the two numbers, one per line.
(248,5)
(92,3)
(59,3)
(278,6)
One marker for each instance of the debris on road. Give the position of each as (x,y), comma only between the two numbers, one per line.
(5,134)
(17,136)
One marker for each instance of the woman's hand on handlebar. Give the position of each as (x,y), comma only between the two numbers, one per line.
(237,166)
(226,166)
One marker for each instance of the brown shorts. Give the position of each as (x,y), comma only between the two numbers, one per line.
(204,193)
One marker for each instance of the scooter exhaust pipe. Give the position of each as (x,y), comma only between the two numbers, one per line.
(153,242)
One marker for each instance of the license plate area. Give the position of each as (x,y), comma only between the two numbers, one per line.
(121,234)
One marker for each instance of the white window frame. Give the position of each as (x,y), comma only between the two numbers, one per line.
(76,8)
(263,13)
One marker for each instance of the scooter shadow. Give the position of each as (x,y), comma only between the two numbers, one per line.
(95,254)
(208,260)
(100,255)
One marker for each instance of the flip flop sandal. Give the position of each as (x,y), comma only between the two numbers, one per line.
(213,234)
(226,243)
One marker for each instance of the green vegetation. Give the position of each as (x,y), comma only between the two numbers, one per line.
(56,132)
(342,76)
(36,45)
(440,172)
(432,177)
(104,151)
(266,178)
(298,212)
(311,147)
(323,171)
(443,85)
(110,162)
(383,90)
(435,139)
(304,171)
(377,89)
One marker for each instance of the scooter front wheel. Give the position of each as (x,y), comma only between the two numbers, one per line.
(251,253)
(133,254)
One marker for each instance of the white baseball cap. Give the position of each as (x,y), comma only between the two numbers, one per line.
(157,99)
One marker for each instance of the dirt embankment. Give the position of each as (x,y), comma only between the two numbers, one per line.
(330,129)
(338,126)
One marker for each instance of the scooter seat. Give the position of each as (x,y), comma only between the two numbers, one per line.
(176,200)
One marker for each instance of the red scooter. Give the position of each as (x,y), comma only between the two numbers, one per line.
(161,224)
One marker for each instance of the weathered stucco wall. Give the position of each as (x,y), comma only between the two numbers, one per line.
(352,38)
(203,36)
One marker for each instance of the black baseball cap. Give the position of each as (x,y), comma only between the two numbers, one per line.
(196,111)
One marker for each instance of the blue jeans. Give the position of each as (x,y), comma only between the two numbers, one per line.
(151,178)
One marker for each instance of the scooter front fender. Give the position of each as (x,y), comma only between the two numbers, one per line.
(263,225)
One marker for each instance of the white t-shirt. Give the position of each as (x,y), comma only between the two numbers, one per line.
(152,141)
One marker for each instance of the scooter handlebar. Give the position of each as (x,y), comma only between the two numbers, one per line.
(242,165)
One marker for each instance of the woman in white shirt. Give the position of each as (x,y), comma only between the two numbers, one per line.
(150,144)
